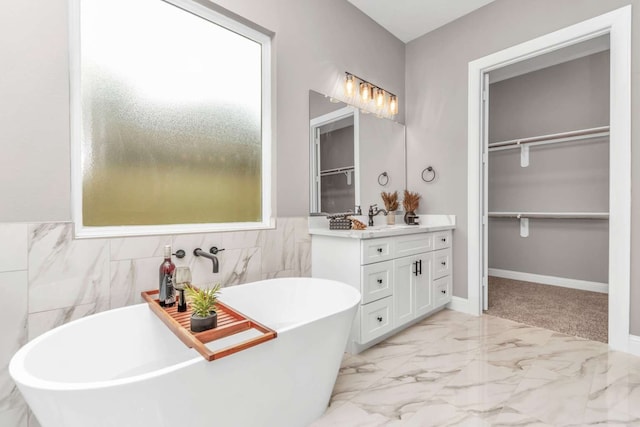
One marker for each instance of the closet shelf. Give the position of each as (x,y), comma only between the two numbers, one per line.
(547,215)
(575,135)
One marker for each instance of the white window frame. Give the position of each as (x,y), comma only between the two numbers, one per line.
(268,140)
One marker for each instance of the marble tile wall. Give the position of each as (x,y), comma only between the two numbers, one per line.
(47,278)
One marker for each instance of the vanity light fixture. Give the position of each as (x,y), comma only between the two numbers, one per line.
(349,85)
(365,92)
(384,101)
(379,97)
(393,105)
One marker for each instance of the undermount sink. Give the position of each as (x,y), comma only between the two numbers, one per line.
(386,227)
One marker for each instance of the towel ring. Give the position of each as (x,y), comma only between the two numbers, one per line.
(383,177)
(430,170)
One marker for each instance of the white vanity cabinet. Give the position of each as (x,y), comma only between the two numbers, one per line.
(402,278)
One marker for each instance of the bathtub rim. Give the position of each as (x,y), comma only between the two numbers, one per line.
(21,375)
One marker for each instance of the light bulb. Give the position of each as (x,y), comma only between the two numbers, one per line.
(349,86)
(393,105)
(379,97)
(365,92)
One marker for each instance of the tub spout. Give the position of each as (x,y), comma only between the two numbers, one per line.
(210,255)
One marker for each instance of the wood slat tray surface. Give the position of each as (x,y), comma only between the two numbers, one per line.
(230,322)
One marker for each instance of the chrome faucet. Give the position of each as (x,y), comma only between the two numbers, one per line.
(210,255)
(373,213)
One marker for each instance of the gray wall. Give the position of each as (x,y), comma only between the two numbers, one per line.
(315,42)
(381,150)
(320,105)
(436,105)
(569,177)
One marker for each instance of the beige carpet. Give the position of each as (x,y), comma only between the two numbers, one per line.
(570,311)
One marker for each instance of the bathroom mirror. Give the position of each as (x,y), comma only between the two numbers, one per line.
(354,156)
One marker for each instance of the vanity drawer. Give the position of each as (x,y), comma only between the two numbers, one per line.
(441,263)
(375,319)
(376,281)
(413,244)
(376,250)
(442,239)
(442,291)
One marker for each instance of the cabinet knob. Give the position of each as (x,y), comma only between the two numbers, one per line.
(443,291)
(444,239)
(379,318)
(380,281)
(444,263)
(379,250)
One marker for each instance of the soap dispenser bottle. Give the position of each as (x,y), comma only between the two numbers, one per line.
(167,296)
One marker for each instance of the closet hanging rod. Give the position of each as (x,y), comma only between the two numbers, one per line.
(554,215)
(552,138)
(336,171)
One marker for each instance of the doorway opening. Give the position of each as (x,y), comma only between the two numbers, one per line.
(614,26)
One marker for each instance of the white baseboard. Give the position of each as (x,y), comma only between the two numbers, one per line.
(551,280)
(634,345)
(460,304)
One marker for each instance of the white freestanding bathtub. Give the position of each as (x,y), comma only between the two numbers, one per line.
(124,367)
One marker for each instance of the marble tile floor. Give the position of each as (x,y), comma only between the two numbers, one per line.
(456,369)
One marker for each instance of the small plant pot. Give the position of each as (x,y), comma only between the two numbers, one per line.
(200,324)
(391,218)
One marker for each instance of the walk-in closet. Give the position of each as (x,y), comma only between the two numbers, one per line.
(548,190)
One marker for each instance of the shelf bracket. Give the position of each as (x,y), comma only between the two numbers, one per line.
(524,155)
(524,227)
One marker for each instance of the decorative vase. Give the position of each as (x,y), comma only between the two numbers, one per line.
(200,324)
(410,218)
(391,217)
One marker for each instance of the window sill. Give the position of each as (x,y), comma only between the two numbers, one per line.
(82,232)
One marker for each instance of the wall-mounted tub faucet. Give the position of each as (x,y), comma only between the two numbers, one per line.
(211,255)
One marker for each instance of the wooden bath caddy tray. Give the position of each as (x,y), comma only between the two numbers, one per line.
(229,322)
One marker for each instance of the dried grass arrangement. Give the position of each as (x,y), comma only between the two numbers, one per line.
(410,201)
(390,201)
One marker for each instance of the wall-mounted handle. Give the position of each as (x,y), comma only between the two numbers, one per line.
(179,253)
(380,281)
(379,318)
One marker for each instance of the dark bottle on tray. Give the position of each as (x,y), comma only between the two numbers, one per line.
(167,295)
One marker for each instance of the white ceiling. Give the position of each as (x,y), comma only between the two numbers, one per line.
(409,19)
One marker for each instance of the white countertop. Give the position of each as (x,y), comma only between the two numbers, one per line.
(319,225)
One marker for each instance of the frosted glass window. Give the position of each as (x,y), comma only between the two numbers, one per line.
(172,117)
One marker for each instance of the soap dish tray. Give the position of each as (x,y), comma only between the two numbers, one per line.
(230,322)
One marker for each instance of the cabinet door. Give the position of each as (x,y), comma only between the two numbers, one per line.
(423,283)
(404,272)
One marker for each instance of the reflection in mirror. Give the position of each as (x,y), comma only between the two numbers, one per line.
(349,153)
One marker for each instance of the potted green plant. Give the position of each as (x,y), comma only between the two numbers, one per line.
(203,307)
